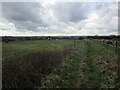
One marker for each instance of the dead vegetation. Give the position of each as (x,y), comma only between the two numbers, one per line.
(28,70)
(108,66)
(108,62)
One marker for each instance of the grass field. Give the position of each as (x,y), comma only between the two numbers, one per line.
(60,64)
(16,48)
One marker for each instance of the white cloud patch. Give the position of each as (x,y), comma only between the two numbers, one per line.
(59,18)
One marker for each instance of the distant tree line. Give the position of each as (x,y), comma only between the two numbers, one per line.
(11,38)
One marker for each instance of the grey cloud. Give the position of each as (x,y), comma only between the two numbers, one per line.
(21,11)
(34,16)
(71,11)
(23,14)
(30,15)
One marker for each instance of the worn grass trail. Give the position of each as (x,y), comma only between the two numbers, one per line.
(98,68)
(92,66)
(91,72)
(80,77)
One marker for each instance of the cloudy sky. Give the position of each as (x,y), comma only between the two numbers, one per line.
(59,18)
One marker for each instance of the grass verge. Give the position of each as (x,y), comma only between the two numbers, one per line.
(65,75)
(92,72)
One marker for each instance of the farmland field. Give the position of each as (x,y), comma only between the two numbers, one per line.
(60,64)
(13,48)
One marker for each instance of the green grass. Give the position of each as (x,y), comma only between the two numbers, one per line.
(112,56)
(99,59)
(111,48)
(16,48)
(27,70)
(106,59)
(65,75)
(93,74)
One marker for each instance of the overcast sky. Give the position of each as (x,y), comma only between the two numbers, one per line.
(59,18)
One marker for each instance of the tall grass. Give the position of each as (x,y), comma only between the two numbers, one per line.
(27,70)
